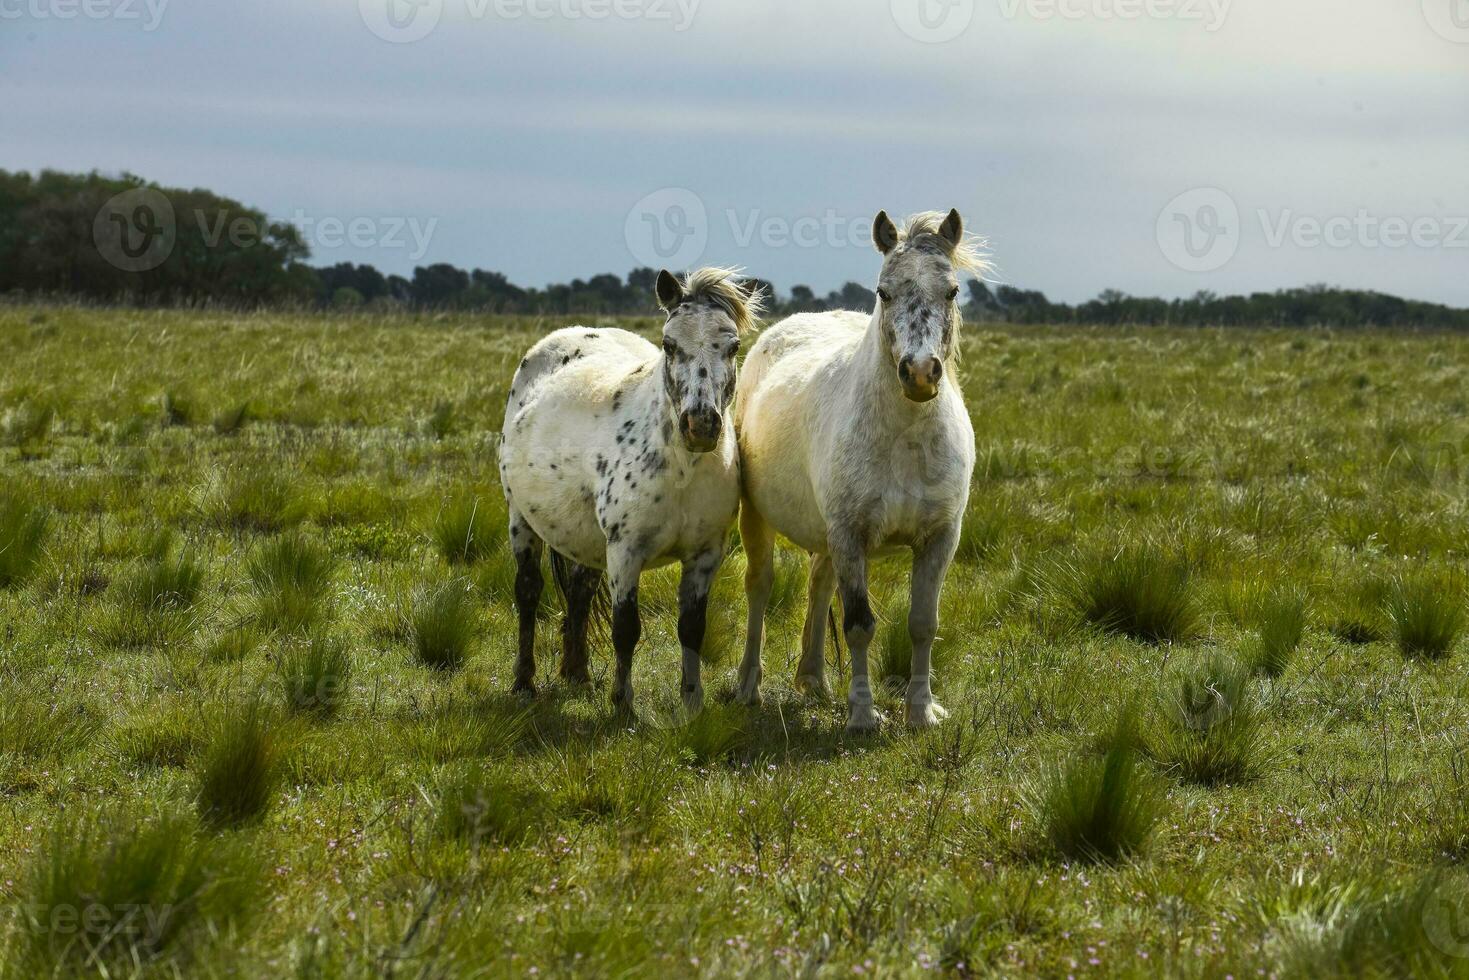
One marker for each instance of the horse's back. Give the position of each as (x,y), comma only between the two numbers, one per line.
(788,381)
(600,356)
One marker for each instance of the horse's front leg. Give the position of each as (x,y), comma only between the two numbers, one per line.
(624,569)
(693,608)
(849,556)
(930,565)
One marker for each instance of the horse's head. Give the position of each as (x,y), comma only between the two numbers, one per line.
(918,295)
(707,313)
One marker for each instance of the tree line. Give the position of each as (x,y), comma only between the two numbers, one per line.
(124,240)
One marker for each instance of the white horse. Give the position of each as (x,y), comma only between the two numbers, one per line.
(855,441)
(616,454)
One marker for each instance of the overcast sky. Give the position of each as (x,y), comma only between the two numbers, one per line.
(1159,147)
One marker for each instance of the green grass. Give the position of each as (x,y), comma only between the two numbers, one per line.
(23,529)
(240,768)
(1210,731)
(314,677)
(1426,614)
(1280,624)
(1092,807)
(467,529)
(254,500)
(1208,494)
(291,581)
(154,602)
(487,806)
(1135,592)
(110,894)
(443,624)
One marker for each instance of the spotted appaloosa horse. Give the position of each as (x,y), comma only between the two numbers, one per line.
(855,441)
(619,456)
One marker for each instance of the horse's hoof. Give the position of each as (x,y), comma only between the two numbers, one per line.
(523,688)
(748,693)
(577,680)
(693,701)
(864,719)
(925,715)
(812,687)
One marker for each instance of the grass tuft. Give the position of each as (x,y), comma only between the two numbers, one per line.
(1135,592)
(1426,615)
(28,426)
(240,767)
(1211,727)
(486,805)
(291,577)
(314,677)
(23,531)
(108,895)
(1098,808)
(1280,623)
(259,500)
(232,419)
(712,736)
(467,529)
(442,625)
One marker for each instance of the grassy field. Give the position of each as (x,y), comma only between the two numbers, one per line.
(1201,650)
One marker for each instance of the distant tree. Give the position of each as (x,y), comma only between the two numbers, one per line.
(346,298)
(853,296)
(803,300)
(438,286)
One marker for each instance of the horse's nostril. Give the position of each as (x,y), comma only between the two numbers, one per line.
(936,370)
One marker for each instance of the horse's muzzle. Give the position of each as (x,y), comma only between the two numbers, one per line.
(700,428)
(920,377)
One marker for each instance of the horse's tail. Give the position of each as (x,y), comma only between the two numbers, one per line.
(571,581)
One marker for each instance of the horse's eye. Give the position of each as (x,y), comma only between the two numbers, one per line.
(734,347)
(669,347)
(882,294)
(953,294)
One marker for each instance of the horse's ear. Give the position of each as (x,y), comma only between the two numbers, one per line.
(884,233)
(670,290)
(952,230)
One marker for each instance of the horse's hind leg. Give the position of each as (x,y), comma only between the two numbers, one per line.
(821,586)
(579,585)
(759,540)
(930,564)
(526,547)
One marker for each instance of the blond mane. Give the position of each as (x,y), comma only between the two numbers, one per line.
(969,256)
(721,287)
